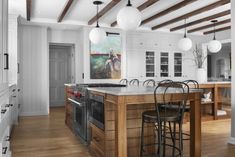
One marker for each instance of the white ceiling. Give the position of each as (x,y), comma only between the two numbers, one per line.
(81,11)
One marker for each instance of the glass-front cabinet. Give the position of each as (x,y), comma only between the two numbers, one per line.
(164,64)
(177,64)
(150,63)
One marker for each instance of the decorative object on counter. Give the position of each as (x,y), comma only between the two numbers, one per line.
(129,17)
(97,35)
(105,58)
(214,45)
(207,97)
(199,59)
(185,44)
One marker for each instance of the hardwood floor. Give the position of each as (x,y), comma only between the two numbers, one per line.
(47,136)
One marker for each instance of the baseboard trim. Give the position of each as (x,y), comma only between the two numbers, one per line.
(34,113)
(231,140)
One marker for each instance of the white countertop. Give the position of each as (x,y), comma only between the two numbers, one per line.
(131,90)
(70,84)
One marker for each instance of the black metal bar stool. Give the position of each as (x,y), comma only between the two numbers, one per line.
(124,81)
(149,82)
(166,95)
(134,82)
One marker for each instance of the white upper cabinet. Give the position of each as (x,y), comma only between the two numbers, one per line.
(13,49)
(4,58)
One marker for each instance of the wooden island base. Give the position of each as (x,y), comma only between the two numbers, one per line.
(121,136)
(103,141)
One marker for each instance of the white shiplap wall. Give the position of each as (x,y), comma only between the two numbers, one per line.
(34,70)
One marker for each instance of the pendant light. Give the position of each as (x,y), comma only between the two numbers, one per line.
(185,43)
(129,17)
(97,35)
(214,45)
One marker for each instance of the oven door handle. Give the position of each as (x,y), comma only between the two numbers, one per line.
(75,102)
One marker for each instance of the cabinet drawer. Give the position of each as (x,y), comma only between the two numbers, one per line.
(97,137)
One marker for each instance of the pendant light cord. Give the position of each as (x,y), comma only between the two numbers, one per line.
(97,17)
(185,36)
(214,32)
(129,3)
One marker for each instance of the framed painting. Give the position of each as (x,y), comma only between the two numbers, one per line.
(105,58)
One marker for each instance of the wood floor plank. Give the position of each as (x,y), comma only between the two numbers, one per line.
(48,136)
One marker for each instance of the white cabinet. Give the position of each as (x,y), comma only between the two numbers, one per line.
(4,64)
(13,48)
(135,64)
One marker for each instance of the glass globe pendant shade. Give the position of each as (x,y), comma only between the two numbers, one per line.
(214,46)
(97,35)
(129,18)
(185,44)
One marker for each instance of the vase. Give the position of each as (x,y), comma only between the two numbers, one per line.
(201,75)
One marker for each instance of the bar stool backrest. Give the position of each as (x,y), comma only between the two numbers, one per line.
(149,82)
(192,83)
(134,82)
(124,81)
(169,97)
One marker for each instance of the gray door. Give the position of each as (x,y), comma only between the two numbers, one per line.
(60,73)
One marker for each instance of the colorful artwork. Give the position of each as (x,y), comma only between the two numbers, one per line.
(105,58)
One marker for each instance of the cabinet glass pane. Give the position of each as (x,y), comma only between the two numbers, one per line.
(177,64)
(164,64)
(150,64)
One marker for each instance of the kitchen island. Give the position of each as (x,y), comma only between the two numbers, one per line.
(122,121)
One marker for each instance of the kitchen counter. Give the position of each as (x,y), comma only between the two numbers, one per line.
(70,84)
(131,90)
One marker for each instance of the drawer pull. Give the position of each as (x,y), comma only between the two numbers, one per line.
(96,139)
(4,150)
(8,138)
(3,111)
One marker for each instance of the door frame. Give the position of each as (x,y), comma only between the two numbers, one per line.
(72,45)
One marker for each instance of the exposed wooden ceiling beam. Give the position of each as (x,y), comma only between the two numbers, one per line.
(209,26)
(193,13)
(168,10)
(28,7)
(109,6)
(217,30)
(140,8)
(208,18)
(65,10)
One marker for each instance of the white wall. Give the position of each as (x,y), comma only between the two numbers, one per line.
(34,70)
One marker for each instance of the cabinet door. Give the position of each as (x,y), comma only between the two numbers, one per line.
(5,41)
(164,64)
(135,64)
(177,64)
(1,48)
(150,64)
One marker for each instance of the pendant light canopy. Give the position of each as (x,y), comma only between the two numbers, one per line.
(97,35)
(214,45)
(129,17)
(185,44)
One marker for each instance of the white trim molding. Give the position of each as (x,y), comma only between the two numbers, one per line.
(231,140)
